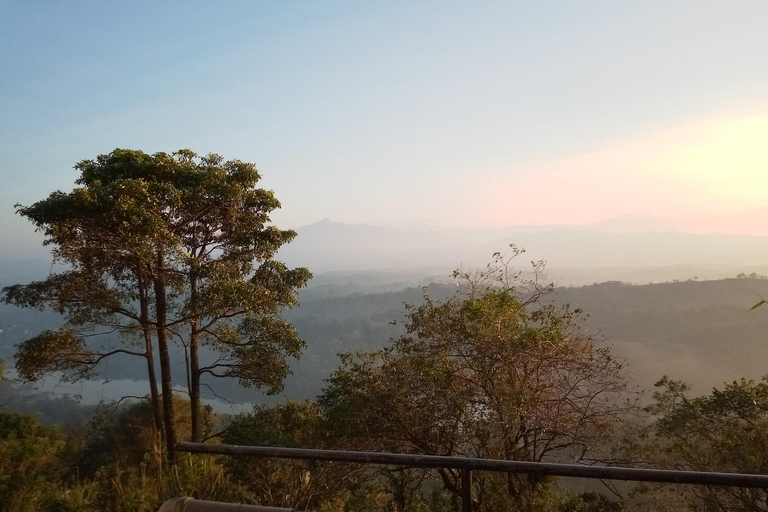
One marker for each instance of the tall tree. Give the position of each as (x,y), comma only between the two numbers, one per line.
(234,289)
(105,234)
(493,373)
(189,239)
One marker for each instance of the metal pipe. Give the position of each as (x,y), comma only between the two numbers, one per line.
(466,490)
(192,505)
(509,466)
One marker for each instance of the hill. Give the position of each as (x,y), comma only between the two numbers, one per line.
(702,332)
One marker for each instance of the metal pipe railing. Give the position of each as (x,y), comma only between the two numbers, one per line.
(509,466)
(468,464)
(192,505)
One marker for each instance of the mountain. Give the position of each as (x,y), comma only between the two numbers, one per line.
(364,258)
(335,246)
(747,222)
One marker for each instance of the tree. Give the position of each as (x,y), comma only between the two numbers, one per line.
(494,372)
(29,463)
(725,431)
(123,435)
(303,485)
(108,236)
(221,224)
(165,247)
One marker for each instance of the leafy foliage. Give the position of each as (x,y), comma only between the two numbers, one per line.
(725,431)
(304,485)
(29,463)
(165,246)
(54,351)
(495,373)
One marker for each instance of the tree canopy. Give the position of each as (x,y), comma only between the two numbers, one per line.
(724,431)
(494,372)
(164,248)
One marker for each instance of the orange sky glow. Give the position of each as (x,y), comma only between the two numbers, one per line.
(708,169)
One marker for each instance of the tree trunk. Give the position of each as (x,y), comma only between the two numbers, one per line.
(194,392)
(161,314)
(194,363)
(153,394)
(147,328)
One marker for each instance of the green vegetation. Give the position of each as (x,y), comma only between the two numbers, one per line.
(406,398)
(29,463)
(164,247)
(495,374)
(724,431)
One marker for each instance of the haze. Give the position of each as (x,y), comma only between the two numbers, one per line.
(469,115)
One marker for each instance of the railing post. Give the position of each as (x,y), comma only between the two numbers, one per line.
(466,490)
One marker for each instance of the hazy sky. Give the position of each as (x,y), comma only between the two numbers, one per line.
(453,113)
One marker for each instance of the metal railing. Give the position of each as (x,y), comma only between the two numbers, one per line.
(191,505)
(467,464)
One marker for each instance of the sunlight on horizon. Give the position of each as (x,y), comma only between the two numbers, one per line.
(704,168)
(729,162)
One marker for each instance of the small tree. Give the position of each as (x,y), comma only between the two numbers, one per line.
(304,485)
(493,372)
(725,431)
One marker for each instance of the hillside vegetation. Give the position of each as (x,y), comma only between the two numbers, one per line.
(702,332)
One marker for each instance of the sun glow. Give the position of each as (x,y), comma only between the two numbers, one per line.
(729,162)
(703,168)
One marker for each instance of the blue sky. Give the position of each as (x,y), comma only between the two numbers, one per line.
(453,113)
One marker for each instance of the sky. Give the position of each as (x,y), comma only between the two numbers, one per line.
(466,114)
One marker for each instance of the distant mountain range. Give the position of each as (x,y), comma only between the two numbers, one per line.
(620,243)
(748,222)
(632,248)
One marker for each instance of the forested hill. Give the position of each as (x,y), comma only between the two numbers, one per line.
(702,332)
